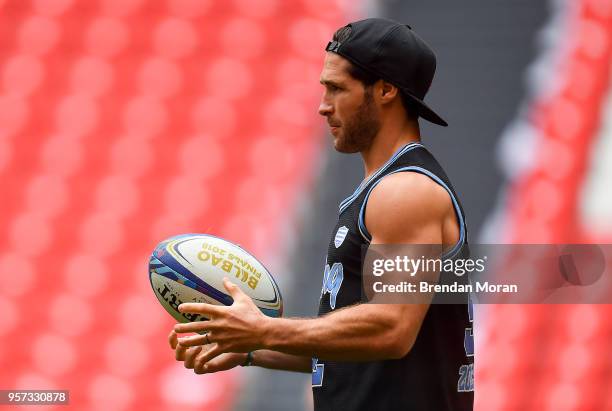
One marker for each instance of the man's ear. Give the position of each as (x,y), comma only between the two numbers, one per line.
(387,92)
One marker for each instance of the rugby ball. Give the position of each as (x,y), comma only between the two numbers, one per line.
(191,268)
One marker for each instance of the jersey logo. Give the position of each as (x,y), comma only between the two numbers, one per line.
(317,373)
(340,236)
(466,371)
(332,281)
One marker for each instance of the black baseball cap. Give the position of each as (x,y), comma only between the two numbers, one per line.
(395,53)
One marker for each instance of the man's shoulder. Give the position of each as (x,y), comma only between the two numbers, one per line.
(406,201)
(410,191)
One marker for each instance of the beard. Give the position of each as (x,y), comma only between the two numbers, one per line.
(359,131)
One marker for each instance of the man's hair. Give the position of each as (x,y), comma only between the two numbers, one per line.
(368,78)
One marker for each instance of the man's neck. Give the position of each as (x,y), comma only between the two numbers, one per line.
(386,143)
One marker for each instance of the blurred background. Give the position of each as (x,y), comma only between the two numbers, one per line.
(123,122)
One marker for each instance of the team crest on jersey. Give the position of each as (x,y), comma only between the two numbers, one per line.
(340,236)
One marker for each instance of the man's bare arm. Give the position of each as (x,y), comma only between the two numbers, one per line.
(406,208)
(275,360)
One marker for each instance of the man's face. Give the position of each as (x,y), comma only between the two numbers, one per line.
(349,106)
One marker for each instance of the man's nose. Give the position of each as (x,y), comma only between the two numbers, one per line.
(325,109)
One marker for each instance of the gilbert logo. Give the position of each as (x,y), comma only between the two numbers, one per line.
(340,236)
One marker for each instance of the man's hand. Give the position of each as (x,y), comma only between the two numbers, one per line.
(190,357)
(182,353)
(239,328)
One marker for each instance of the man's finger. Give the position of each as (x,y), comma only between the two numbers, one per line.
(172,339)
(208,310)
(195,327)
(200,367)
(193,340)
(206,355)
(190,356)
(233,289)
(179,353)
(207,367)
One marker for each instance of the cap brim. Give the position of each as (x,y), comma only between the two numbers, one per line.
(426,112)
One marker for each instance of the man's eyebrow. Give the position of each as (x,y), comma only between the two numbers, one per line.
(327,82)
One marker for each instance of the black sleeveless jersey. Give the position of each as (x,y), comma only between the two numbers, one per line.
(438,372)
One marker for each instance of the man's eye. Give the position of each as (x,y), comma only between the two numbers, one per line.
(333,88)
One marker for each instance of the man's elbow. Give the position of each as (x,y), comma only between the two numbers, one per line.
(400,345)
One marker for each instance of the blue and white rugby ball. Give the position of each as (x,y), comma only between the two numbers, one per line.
(191,268)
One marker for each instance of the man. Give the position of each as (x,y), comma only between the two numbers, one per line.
(364,356)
